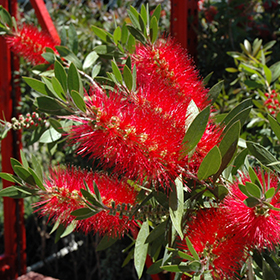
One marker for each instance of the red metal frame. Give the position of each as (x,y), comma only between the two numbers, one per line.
(184,20)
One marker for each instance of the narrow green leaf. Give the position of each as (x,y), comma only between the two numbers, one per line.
(243,189)
(275,70)
(24,174)
(23,159)
(6,17)
(90,60)
(117,35)
(185,256)
(131,44)
(270,193)
(49,136)
(268,273)
(154,29)
(157,12)
(141,249)
(56,125)
(36,85)
(9,177)
(191,249)
(73,39)
(69,229)
(176,206)
(105,243)
(239,161)
(78,100)
(144,14)
(116,71)
(254,178)
(13,192)
(49,57)
(215,91)
(262,154)
(195,131)
(127,76)
(69,56)
(59,232)
(58,88)
(251,202)
(90,198)
(37,180)
(81,212)
(268,73)
(134,17)
(274,125)
(124,34)
(210,164)
(137,34)
(102,34)
(60,74)
(171,268)
(97,193)
(253,190)
(37,167)
(55,226)
(50,105)
(156,232)
(243,105)
(73,79)
(95,70)
(155,268)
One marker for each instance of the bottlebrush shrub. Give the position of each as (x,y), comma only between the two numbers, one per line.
(30,43)
(165,157)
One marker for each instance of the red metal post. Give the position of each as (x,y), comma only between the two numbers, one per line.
(13,262)
(45,19)
(184,20)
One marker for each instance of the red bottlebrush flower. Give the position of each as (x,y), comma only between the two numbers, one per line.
(30,43)
(218,248)
(129,139)
(63,196)
(272,102)
(259,226)
(168,62)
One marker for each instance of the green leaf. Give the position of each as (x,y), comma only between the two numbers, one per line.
(69,56)
(49,136)
(56,125)
(215,91)
(78,100)
(239,161)
(97,193)
(6,17)
(268,73)
(243,189)
(275,126)
(124,34)
(131,44)
(116,71)
(195,131)
(58,88)
(127,76)
(74,79)
(102,34)
(193,266)
(251,202)
(275,70)
(59,232)
(263,155)
(117,35)
(9,177)
(253,190)
(105,243)
(60,74)
(95,70)
(141,249)
(185,256)
(191,249)
(270,193)
(254,178)
(13,192)
(36,85)
(137,34)
(82,212)
(69,229)
(37,180)
(73,39)
(210,164)
(23,159)
(37,167)
(268,273)
(90,198)
(176,206)
(157,12)
(207,79)
(50,105)
(155,268)
(134,17)
(171,268)
(156,232)
(153,29)
(90,60)
(235,111)
(24,174)
(144,14)
(49,57)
